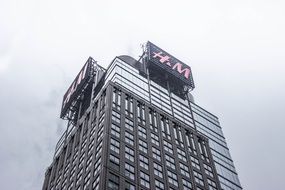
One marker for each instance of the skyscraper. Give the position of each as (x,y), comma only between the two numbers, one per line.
(135,126)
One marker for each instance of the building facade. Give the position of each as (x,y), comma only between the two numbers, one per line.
(135,126)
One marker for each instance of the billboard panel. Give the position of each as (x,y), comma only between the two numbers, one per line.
(76,87)
(167,62)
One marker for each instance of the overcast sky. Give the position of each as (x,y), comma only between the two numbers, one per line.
(236,50)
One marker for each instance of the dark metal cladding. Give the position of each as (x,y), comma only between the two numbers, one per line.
(167,62)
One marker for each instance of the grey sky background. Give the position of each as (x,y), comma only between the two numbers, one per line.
(236,50)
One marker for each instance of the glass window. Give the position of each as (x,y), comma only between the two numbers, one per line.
(141,113)
(99,149)
(144,179)
(195,162)
(116,117)
(184,170)
(115,145)
(113,182)
(97,167)
(167,146)
(95,184)
(129,106)
(186,185)
(170,161)
(212,184)
(154,139)
(142,131)
(208,170)
(129,138)
(172,178)
(143,161)
(114,162)
(129,154)
(156,153)
(198,178)
(129,124)
(115,130)
(100,132)
(157,170)
(158,185)
(142,146)
(181,154)
(116,99)
(129,171)
(129,186)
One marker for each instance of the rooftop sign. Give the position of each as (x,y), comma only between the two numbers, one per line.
(76,87)
(169,63)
